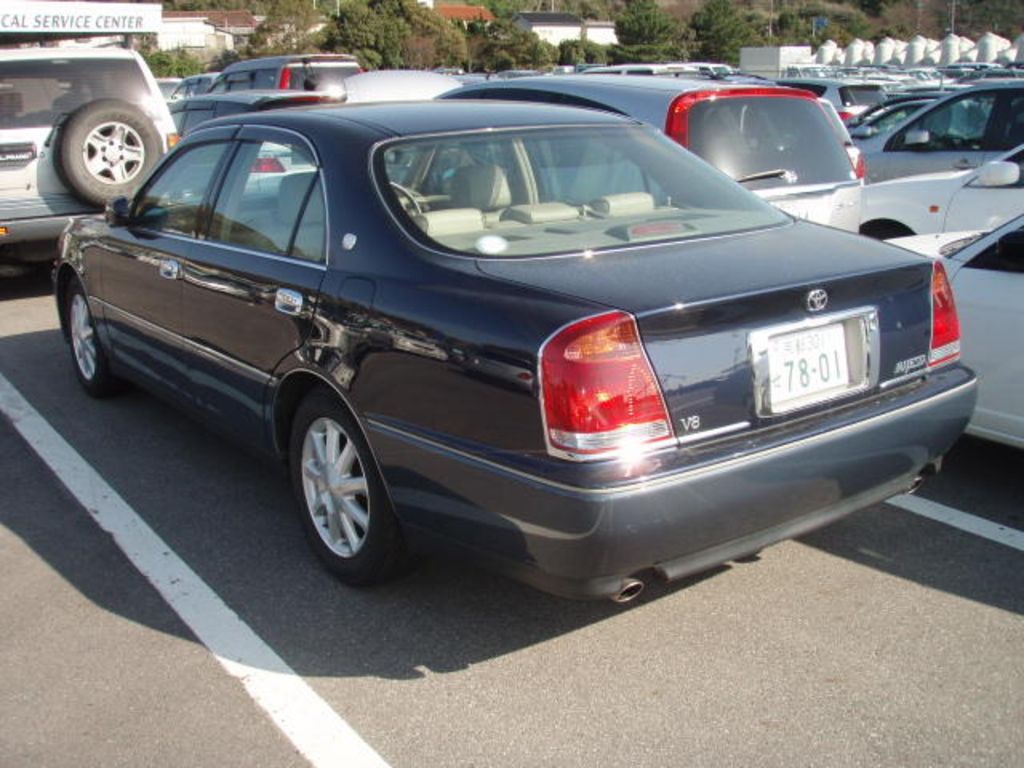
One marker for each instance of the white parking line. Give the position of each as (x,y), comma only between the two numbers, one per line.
(315,729)
(979,526)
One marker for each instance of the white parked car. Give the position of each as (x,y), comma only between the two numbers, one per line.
(987,271)
(78,127)
(979,199)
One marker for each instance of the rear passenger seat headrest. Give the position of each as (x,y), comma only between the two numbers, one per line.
(625,204)
(480,186)
(450,221)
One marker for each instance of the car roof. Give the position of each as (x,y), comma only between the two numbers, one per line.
(414,118)
(280,61)
(592,83)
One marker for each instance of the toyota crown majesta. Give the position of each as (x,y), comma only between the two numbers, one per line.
(547,338)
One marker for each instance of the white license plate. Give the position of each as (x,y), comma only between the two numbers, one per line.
(807,366)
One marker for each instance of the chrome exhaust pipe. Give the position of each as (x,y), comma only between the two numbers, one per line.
(630,589)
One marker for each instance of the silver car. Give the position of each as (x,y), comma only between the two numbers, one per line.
(777,142)
(961,131)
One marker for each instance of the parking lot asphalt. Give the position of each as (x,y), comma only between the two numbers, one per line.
(885,639)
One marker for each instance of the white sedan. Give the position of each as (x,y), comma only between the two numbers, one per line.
(979,199)
(987,271)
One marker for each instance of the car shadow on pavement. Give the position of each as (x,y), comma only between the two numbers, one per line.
(231,517)
(34,283)
(980,478)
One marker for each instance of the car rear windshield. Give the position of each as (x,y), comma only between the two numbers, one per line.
(750,136)
(36,93)
(320,76)
(533,192)
(860,95)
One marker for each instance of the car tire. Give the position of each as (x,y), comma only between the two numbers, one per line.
(105,149)
(345,509)
(90,361)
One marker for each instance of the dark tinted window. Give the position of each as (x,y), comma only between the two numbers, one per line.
(318,76)
(855,95)
(34,93)
(171,202)
(264,78)
(263,195)
(189,119)
(748,135)
(1010,129)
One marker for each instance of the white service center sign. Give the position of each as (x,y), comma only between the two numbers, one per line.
(80,18)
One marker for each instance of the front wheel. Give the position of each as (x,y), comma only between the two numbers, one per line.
(88,357)
(345,509)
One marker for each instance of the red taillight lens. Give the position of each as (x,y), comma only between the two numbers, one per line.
(860,165)
(286,79)
(945,347)
(600,393)
(844,115)
(267,165)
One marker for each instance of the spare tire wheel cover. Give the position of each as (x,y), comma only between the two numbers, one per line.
(105,149)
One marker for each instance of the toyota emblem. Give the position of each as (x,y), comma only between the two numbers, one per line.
(817,300)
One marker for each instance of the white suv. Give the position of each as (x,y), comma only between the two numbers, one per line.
(78,127)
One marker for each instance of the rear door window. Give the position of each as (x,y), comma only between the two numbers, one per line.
(743,136)
(263,196)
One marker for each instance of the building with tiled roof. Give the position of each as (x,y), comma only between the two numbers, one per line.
(464,13)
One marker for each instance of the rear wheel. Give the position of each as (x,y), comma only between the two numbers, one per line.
(90,361)
(345,509)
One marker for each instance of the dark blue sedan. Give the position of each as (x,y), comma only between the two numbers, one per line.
(547,338)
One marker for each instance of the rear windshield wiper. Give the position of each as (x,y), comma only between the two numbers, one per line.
(777,173)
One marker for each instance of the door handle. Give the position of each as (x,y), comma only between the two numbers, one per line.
(288,302)
(170,269)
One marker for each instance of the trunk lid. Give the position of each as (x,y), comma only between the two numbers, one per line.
(708,310)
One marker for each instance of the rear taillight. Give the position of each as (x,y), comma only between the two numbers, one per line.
(844,115)
(267,165)
(945,347)
(860,165)
(286,79)
(600,395)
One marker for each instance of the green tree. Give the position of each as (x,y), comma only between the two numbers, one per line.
(720,31)
(647,33)
(288,28)
(177,63)
(582,52)
(505,45)
(393,34)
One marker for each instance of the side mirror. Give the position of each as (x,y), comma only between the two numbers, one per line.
(863,132)
(916,137)
(1001,173)
(118,211)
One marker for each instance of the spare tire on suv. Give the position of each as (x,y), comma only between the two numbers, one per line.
(105,148)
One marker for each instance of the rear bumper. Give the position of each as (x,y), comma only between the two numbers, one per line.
(584,541)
